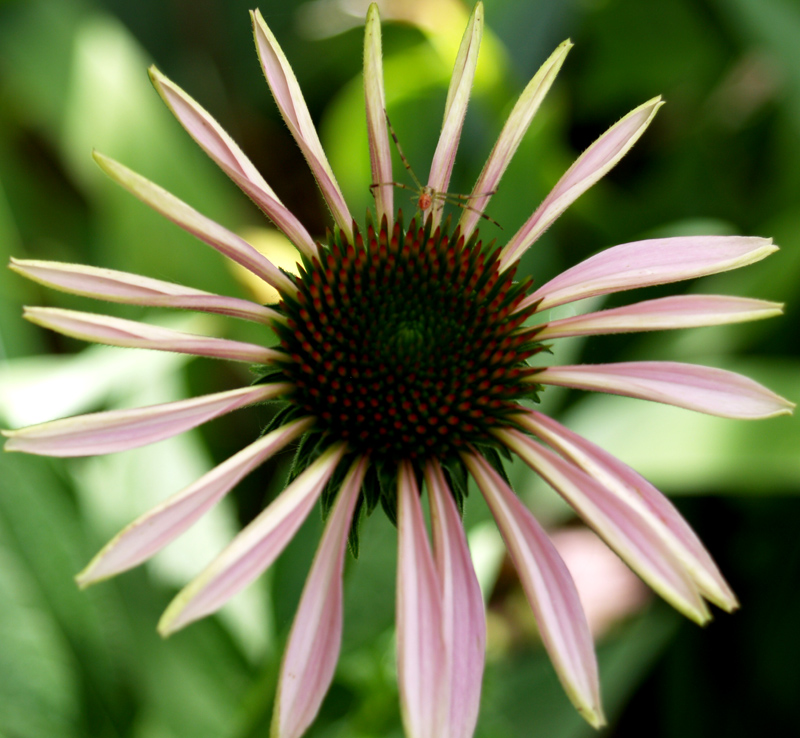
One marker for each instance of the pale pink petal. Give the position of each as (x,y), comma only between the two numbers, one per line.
(678,311)
(313,647)
(510,137)
(701,388)
(131,289)
(658,513)
(229,157)
(646,263)
(254,549)
(549,589)
(380,154)
(163,524)
(591,166)
(421,651)
(211,233)
(289,98)
(455,109)
(616,522)
(464,619)
(120,430)
(132,334)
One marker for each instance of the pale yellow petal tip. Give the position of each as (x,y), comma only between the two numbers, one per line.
(167,624)
(104,162)
(701,617)
(593,715)
(9,445)
(155,74)
(84,578)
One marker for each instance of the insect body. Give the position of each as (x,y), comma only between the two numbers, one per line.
(426,196)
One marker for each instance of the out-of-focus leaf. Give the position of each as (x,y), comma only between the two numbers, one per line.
(38,693)
(523,691)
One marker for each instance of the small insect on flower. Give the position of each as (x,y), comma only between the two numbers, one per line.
(425,195)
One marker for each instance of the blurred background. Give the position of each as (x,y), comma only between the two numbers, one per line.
(723,156)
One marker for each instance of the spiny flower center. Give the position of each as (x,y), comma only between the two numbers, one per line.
(407,345)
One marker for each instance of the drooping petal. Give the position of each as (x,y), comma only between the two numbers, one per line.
(120,430)
(549,589)
(421,651)
(701,388)
(289,98)
(132,289)
(229,157)
(510,137)
(678,311)
(254,549)
(455,109)
(591,166)
(211,233)
(380,154)
(616,522)
(647,263)
(657,511)
(313,647)
(163,524)
(464,619)
(132,334)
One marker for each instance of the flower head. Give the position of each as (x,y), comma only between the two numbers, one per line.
(407,355)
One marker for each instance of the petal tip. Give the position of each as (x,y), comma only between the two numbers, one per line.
(84,579)
(593,715)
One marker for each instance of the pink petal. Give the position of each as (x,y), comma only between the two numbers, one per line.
(132,334)
(254,549)
(455,108)
(380,154)
(229,157)
(131,289)
(680,311)
(701,388)
(646,263)
(313,647)
(464,620)
(421,651)
(616,522)
(510,137)
(591,166)
(289,98)
(211,233)
(163,524)
(658,513)
(120,430)
(549,589)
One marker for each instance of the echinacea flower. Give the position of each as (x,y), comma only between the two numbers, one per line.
(407,355)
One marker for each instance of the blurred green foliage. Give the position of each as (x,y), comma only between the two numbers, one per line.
(722,156)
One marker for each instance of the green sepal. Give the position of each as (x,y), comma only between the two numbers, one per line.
(371,487)
(331,490)
(267,374)
(457,478)
(309,449)
(284,416)
(492,454)
(387,478)
(355,524)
